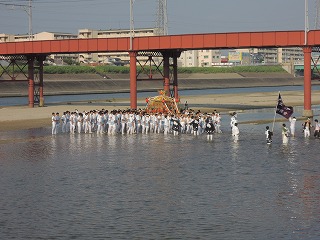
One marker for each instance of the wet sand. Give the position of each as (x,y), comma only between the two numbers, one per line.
(23,117)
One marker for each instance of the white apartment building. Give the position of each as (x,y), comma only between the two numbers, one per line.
(83,34)
(188,58)
(207,58)
(87,57)
(199,58)
(58,59)
(53,36)
(288,55)
(6,37)
(38,36)
(43,36)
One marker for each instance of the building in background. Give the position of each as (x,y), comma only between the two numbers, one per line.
(189,58)
(288,55)
(208,58)
(6,37)
(276,55)
(56,59)
(241,57)
(109,57)
(199,58)
(90,58)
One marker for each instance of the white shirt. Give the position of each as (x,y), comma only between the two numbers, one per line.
(235,130)
(292,122)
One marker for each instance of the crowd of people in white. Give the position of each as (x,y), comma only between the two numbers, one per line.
(138,121)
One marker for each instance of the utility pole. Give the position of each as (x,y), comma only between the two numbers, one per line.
(306,22)
(317,19)
(131,24)
(28,10)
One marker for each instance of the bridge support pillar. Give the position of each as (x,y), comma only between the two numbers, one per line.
(307,112)
(175,78)
(166,73)
(41,95)
(133,80)
(31,81)
(41,103)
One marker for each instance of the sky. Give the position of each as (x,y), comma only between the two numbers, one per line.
(184,16)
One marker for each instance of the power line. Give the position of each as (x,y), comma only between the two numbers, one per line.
(60,1)
(50,6)
(317,18)
(11,4)
(27,9)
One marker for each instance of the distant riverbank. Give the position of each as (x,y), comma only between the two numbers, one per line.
(58,84)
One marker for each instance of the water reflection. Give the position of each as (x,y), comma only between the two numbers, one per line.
(235,152)
(155,186)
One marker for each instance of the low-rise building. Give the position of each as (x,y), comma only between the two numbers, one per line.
(54,58)
(199,58)
(57,58)
(6,37)
(208,58)
(189,58)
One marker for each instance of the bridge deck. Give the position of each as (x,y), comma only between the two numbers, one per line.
(160,43)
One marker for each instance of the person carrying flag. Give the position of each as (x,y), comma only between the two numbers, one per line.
(285,111)
(268,135)
(282,109)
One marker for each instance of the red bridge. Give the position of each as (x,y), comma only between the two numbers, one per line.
(167,47)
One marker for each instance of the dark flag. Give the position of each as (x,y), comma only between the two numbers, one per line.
(282,109)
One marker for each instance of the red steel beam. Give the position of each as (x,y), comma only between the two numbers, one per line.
(154,43)
(31,81)
(175,78)
(41,95)
(166,74)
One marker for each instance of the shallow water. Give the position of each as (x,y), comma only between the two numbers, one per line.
(159,187)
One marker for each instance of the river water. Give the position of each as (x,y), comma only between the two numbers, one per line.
(13,101)
(153,186)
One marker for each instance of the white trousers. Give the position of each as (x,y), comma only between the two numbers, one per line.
(54,128)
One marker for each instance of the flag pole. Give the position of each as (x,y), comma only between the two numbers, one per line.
(275,113)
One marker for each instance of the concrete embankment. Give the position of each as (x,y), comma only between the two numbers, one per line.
(92,83)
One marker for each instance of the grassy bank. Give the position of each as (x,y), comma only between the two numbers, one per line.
(104,70)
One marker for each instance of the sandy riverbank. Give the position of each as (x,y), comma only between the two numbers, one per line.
(23,117)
